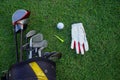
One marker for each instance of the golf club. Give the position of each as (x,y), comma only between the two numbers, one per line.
(43,44)
(34,39)
(21,23)
(29,35)
(19,15)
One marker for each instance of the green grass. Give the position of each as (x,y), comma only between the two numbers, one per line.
(101,20)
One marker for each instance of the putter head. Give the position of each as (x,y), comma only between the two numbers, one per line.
(30,34)
(20,17)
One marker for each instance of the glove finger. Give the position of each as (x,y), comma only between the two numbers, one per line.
(82,49)
(77,48)
(86,45)
(72,44)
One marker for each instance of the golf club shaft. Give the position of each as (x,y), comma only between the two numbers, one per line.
(15,37)
(21,50)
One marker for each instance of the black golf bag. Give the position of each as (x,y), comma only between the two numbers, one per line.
(32,69)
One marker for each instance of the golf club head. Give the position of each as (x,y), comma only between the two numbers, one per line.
(45,43)
(37,38)
(54,56)
(30,34)
(41,44)
(20,17)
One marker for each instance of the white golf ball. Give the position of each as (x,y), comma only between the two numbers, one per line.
(60,25)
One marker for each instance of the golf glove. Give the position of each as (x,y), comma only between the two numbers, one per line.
(79,40)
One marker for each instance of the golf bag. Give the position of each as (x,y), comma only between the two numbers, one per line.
(36,67)
(32,69)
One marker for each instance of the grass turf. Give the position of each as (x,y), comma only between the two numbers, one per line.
(101,22)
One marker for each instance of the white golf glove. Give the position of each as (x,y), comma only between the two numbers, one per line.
(79,40)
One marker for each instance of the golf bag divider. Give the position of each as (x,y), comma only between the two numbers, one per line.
(33,69)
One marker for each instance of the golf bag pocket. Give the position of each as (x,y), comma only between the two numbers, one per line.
(33,69)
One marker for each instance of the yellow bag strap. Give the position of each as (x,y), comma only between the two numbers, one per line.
(38,71)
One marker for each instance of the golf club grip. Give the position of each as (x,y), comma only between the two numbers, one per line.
(15,37)
(21,53)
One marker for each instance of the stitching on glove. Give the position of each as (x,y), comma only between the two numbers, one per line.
(79,47)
